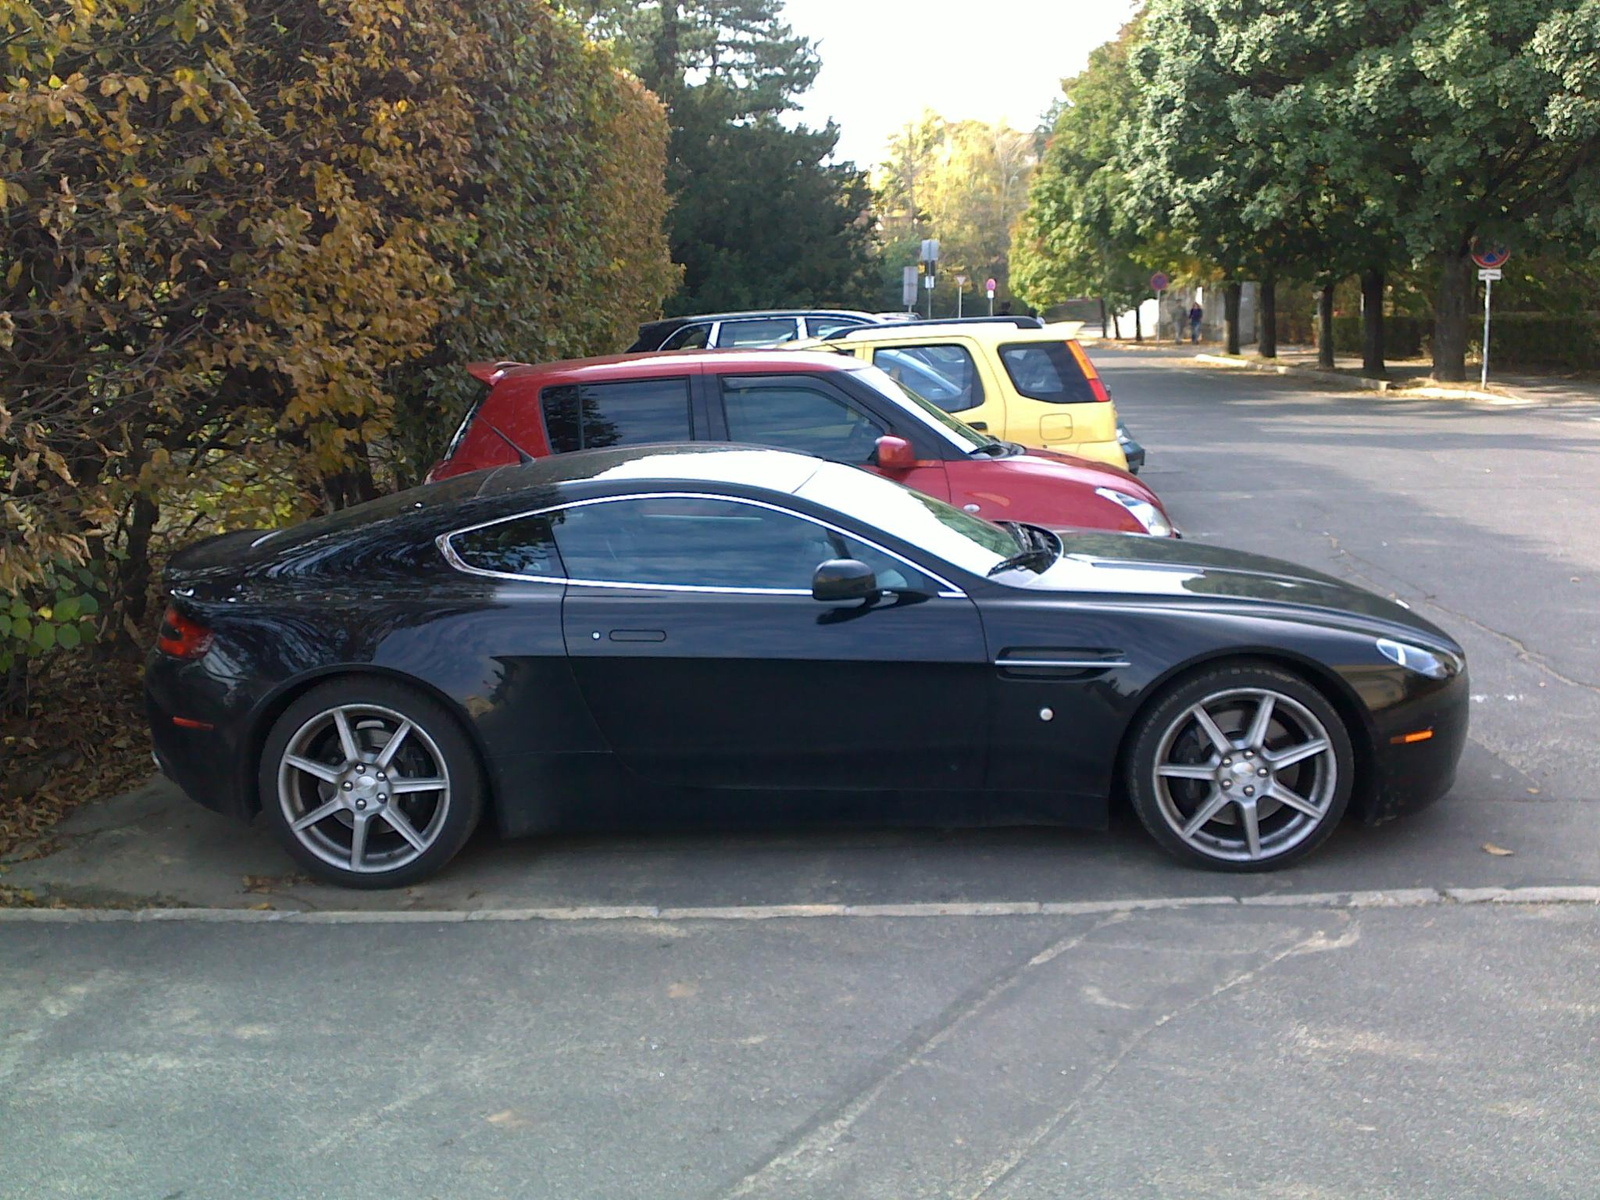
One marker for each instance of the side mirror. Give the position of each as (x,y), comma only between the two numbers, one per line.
(844,579)
(895,453)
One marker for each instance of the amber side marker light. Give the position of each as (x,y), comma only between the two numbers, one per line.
(191,723)
(1405,739)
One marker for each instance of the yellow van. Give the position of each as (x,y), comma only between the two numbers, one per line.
(1030,385)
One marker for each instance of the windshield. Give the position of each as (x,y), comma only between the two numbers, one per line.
(963,436)
(947,533)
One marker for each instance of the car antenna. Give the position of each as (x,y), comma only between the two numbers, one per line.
(523,457)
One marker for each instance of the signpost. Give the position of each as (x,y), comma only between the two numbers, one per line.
(1159,283)
(961,286)
(1490,260)
(930,264)
(988,286)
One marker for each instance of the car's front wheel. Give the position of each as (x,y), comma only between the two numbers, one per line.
(1241,768)
(369,783)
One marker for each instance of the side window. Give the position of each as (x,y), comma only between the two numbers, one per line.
(523,546)
(592,416)
(942,375)
(792,413)
(763,331)
(691,541)
(690,337)
(1047,371)
(823,326)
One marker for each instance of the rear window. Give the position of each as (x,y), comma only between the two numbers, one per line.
(596,416)
(765,331)
(523,546)
(1047,371)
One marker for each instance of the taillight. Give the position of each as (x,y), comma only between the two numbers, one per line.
(181,636)
(1095,384)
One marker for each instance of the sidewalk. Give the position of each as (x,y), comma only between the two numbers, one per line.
(1407,378)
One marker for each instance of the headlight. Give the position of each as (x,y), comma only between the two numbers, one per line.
(1152,518)
(1434,664)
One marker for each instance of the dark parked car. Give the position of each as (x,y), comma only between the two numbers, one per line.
(759,329)
(640,637)
(830,405)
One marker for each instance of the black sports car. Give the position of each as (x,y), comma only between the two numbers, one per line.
(632,637)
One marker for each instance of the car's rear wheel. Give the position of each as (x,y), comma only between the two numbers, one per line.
(1241,768)
(369,783)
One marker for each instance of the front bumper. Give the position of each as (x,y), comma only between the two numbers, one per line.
(1409,776)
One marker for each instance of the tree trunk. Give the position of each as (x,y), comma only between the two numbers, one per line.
(1372,323)
(353,485)
(132,600)
(1450,318)
(1103,316)
(1325,327)
(1138,325)
(1230,317)
(1116,324)
(1267,319)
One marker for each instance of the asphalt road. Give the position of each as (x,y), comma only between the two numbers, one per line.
(1322,1048)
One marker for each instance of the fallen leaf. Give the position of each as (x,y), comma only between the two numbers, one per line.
(509,1119)
(1533,791)
(264,906)
(682,991)
(1497,851)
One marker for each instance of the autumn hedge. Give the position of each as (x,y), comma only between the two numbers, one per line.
(247,247)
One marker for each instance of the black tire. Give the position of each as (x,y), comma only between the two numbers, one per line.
(435,748)
(1170,736)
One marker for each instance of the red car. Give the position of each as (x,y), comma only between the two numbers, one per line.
(829,405)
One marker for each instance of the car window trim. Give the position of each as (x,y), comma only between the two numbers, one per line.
(948,590)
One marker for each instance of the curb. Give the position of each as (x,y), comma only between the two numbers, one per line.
(1382,387)
(1389,898)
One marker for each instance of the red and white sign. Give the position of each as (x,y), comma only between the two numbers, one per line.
(988,286)
(1491,256)
(1159,282)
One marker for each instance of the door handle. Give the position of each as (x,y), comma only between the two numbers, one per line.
(638,635)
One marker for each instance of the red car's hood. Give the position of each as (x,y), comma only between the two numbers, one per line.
(1047,464)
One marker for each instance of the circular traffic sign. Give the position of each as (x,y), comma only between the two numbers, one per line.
(1159,282)
(1490,256)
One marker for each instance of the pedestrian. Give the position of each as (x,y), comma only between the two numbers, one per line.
(1196,314)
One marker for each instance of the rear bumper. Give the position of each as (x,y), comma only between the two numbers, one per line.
(200,755)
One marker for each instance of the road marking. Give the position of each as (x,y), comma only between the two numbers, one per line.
(1383,898)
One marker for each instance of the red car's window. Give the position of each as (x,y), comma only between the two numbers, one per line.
(592,416)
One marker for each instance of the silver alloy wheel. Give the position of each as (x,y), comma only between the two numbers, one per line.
(1245,774)
(363,788)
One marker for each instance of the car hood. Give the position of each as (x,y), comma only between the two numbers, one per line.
(1155,567)
(1046,464)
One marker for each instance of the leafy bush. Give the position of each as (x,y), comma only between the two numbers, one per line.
(234,233)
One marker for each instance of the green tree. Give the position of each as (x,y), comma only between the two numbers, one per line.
(962,182)
(761,217)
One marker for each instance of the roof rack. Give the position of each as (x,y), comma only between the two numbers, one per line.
(1018,322)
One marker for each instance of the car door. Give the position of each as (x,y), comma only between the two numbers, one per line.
(951,375)
(807,414)
(704,660)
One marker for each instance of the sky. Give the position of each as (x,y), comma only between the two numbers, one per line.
(884,61)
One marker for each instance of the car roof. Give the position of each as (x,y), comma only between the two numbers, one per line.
(764,312)
(688,463)
(984,332)
(661,364)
